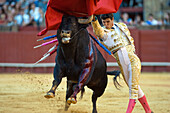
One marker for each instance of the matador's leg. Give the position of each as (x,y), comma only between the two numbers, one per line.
(131,73)
(130,67)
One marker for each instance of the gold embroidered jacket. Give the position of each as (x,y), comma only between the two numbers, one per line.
(114,39)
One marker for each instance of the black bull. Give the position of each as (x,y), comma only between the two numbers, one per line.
(80,61)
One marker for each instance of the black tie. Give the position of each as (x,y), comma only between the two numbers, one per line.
(112,28)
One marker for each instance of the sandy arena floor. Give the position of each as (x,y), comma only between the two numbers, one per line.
(24,93)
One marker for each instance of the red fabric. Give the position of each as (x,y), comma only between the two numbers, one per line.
(78,8)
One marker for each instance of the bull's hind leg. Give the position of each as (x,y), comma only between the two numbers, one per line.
(94,99)
(95,95)
(98,91)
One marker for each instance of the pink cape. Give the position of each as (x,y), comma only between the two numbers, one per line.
(78,8)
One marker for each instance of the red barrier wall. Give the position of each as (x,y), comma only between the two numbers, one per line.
(17,47)
(155,47)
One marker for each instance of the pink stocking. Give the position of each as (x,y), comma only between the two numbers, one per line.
(131,105)
(144,103)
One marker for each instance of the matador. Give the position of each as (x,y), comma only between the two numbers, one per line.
(116,37)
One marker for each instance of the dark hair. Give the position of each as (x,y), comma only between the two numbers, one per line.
(105,16)
(150,14)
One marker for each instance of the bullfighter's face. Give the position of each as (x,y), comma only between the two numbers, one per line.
(108,23)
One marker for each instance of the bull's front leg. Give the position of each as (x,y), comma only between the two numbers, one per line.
(84,77)
(57,80)
(69,92)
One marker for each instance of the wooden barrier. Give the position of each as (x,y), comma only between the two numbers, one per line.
(17,47)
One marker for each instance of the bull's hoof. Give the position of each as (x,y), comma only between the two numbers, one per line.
(49,95)
(67,105)
(71,100)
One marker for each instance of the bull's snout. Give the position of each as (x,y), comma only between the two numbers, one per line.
(65,34)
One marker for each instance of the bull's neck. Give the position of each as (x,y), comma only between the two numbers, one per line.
(69,51)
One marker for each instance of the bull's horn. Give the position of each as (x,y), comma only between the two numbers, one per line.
(85,21)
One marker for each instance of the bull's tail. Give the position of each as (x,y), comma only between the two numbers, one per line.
(117,74)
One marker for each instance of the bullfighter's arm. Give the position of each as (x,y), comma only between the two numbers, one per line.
(97,29)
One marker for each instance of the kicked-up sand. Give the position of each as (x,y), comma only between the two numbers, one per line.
(24,93)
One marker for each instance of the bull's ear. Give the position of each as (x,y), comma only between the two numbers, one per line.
(85,21)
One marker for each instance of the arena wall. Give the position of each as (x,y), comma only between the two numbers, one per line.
(17,48)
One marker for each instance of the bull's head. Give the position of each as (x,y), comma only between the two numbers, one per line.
(71,26)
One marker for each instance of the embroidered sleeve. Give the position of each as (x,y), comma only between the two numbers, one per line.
(125,28)
(98,30)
